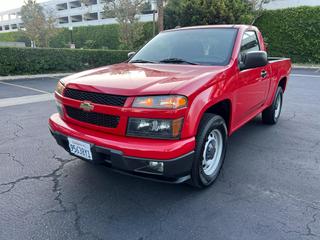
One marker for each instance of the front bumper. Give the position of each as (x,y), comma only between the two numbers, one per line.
(175,170)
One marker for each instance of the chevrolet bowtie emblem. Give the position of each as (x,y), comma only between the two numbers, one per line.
(86,106)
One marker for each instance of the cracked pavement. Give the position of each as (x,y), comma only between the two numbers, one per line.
(269,187)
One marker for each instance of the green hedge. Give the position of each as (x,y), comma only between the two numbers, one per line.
(14,37)
(292,32)
(15,61)
(98,37)
(104,36)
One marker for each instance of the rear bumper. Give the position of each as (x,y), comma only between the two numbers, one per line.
(113,151)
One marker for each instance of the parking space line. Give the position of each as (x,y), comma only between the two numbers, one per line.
(7,102)
(20,86)
(33,77)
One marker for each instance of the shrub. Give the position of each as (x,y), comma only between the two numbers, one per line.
(292,32)
(104,37)
(14,61)
(15,37)
(90,44)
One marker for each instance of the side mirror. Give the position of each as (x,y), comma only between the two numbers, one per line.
(131,54)
(254,60)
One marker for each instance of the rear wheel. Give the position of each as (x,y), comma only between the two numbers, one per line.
(271,115)
(211,144)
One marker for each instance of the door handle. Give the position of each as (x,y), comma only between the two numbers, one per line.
(264,74)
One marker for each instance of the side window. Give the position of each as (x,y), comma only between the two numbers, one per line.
(249,43)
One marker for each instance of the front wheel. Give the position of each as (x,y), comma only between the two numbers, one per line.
(271,115)
(211,145)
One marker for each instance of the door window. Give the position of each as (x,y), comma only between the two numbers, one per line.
(249,43)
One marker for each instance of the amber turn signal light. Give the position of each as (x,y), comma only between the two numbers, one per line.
(161,102)
(60,87)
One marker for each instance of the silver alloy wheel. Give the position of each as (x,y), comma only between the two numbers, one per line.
(278,107)
(212,152)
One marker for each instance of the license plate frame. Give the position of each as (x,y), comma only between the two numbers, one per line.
(80,148)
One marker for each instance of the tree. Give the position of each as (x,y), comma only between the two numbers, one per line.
(202,12)
(172,13)
(125,12)
(257,5)
(160,15)
(39,27)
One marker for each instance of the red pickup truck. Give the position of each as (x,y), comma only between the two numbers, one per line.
(168,111)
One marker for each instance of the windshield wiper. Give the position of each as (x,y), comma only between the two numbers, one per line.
(177,60)
(141,61)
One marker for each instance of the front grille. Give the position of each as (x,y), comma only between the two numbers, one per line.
(100,98)
(98,119)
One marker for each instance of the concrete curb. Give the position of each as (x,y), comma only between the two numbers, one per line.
(25,77)
(312,67)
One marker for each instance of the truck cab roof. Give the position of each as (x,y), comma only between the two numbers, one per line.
(237,26)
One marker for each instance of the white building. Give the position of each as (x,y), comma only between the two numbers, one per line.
(280,4)
(69,13)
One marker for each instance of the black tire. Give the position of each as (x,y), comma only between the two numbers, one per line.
(270,115)
(210,124)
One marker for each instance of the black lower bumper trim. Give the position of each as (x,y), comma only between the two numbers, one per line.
(174,170)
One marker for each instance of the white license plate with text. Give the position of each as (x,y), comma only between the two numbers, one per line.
(80,149)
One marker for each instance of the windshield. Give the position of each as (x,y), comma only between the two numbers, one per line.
(206,46)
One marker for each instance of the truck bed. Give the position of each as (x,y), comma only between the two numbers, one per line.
(275,59)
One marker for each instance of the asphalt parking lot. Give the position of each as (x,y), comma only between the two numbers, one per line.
(269,187)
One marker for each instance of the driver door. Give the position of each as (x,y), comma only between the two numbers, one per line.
(252,83)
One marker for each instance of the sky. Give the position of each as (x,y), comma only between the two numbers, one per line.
(10,4)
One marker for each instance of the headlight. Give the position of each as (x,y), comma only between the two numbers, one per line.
(60,87)
(155,128)
(161,102)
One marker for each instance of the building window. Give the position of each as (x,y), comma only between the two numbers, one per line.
(102,15)
(62,6)
(75,4)
(1,29)
(13,15)
(91,16)
(63,20)
(91,2)
(6,27)
(76,18)
(5,17)
(14,26)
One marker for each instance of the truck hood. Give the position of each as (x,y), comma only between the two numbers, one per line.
(143,79)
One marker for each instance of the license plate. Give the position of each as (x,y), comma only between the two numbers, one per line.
(80,149)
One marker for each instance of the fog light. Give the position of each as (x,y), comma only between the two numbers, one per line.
(157,166)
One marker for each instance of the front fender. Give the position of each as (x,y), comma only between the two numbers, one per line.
(201,103)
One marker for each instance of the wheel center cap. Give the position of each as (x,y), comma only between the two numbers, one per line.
(211,150)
